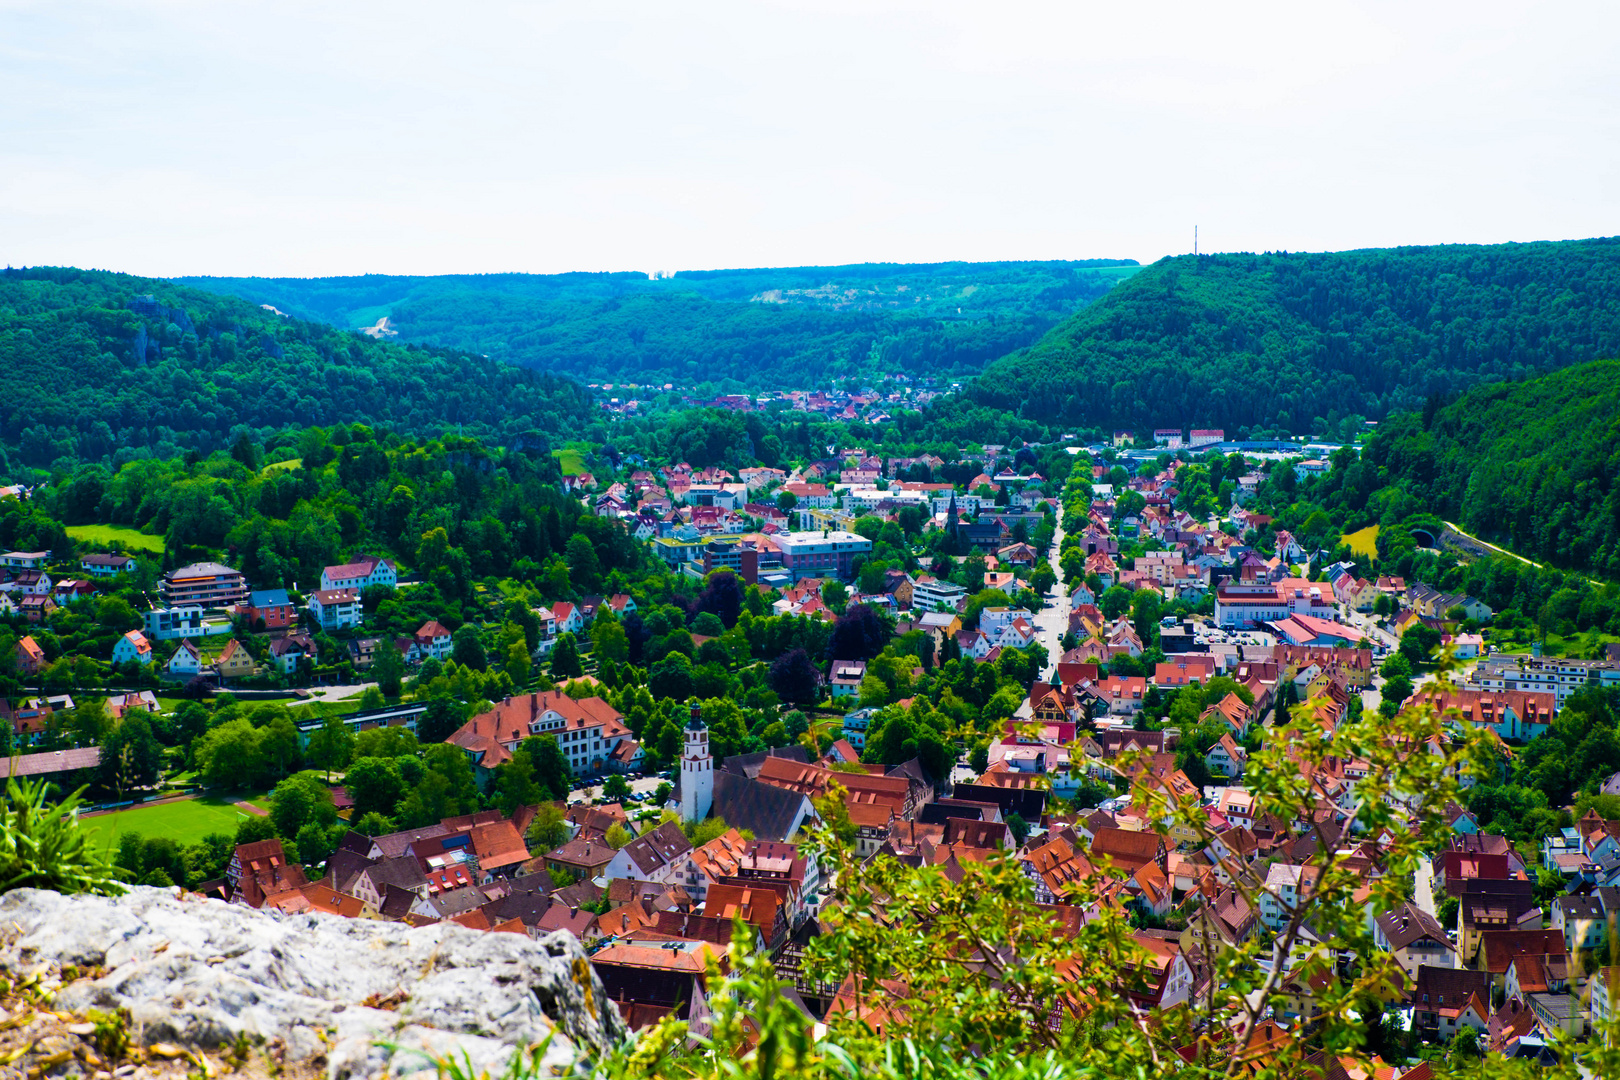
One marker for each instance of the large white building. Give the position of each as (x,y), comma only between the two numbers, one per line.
(822,554)
(366,570)
(1244,603)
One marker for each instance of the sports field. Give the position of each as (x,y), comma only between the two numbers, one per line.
(187,821)
(107,535)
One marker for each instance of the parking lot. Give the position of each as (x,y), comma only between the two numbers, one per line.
(643,786)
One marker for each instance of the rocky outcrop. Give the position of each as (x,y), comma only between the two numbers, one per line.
(360,998)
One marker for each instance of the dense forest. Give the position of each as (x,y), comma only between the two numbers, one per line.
(109,367)
(793,327)
(1312,343)
(1530,465)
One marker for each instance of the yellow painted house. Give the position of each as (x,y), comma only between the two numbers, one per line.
(235,661)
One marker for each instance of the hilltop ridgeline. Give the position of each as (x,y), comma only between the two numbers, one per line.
(102,363)
(1312,343)
(782,328)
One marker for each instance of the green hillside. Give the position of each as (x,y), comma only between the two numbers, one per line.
(1533,466)
(785,327)
(1313,343)
(103,366)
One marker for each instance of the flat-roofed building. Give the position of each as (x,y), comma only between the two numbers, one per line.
(822,554)
(204,584)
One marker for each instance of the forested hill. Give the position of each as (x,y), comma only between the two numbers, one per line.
(1533,466)
(793,327)
(1304,342)
(101,364)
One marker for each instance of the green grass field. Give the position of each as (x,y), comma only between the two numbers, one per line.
(1363,543)
(187,822)
(572,462)
(281,466)
(107,535)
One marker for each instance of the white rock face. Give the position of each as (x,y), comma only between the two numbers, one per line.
(201,973)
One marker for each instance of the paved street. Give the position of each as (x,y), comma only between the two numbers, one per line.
(1423,889)
(1052,621)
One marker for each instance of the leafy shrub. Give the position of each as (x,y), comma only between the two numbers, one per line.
(42,846)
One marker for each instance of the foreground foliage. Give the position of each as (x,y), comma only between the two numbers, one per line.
(42,846)
(975,979)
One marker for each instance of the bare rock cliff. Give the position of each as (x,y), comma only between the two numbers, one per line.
(311,993)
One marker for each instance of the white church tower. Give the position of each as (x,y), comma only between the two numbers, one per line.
(697,770)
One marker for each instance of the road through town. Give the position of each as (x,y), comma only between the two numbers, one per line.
(1052,621)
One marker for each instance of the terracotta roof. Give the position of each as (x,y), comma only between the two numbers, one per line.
(1503,946)
(498,844)
(692,960)
(757,906)
(508,723)
(1127,849)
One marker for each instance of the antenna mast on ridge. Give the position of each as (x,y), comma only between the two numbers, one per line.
(1195,240)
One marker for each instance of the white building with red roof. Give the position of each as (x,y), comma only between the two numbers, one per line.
(588,732)
(433,639)
(363,571)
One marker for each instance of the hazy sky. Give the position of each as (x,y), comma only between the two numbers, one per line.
(338,137)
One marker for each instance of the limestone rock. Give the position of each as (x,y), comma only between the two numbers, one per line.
(371,997)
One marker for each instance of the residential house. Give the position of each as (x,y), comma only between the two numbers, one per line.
(1216,926)
(271,607)
(1604,1001)
(132,648)
(107,565)
(1414,937)
(73,590)
(1018,634)
(585,859)
(433,639)
(1499,949)
(37,608)
(166,624)
(1446,999)
(1486,906)
(566,617)
(363,652)
(660,855)
(186,663)
(1119,695)
(1582,921)
(1286,885)
(1227,757)
(27,583)
(335,609)
(288,652)
(259,874)
(846,678)
(1231,710)
(30,658)
(1129,851)
(235,662)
